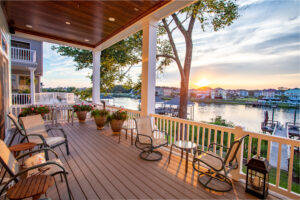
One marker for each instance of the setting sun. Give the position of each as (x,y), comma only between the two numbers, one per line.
(203,82)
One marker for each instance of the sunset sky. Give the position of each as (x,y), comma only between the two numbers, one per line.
(260,50)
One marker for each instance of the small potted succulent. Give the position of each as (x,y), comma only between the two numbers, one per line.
(116,120)
(100,117)
(35,110)
(81,111)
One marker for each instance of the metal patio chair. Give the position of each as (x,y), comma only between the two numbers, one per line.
(34,131)
(13,169)
(148,139)
(216,177)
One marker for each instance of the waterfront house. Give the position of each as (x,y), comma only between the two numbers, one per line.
(218,93)
(243,93)
(26,61)
(257,93)
(200,93)
(164,91)
(98,166)
(268,94)
(293,94)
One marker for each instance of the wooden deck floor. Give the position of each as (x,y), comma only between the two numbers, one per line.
(100,168)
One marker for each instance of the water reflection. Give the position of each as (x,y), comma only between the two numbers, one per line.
(248,117)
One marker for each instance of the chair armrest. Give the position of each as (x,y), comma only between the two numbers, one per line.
(41,137)
(35,151)
(58,128)
(156,130)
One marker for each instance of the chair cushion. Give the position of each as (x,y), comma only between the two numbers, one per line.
(158,138)
(49,140)
(39,159)
(211,160)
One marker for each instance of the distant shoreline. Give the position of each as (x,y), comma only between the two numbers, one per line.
(240,102)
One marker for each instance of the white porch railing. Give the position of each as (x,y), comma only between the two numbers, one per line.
(204,134)
(50,98)
(21,99)
(23,55)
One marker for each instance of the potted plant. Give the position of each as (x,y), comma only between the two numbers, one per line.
(100,117)
(81,111)
(35,110)
(116,120)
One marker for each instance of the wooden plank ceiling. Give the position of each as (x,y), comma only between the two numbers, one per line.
(79,22)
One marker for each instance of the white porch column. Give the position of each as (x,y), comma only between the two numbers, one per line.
(32,85)
(148,68)
(96,77)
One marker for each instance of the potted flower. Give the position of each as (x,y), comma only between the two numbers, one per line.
(35,110)
(81,111)
(100,117)
(116,120)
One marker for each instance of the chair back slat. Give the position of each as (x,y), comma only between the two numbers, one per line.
(230,156)
(143,126)
(34,124)
(8,160)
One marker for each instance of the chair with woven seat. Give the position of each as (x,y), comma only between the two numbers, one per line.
(33,166)
(34,131)
(148,139)
(216,178)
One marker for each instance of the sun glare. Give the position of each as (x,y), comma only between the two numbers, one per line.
(203,82)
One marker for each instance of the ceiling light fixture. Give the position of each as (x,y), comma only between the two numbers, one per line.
(28,26)
(136,9)
(68,23)
(86,40)
(111,19)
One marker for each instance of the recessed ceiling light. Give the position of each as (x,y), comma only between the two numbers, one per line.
(28,26)
(111,19)
(68,23)
(136,9)
(87,40)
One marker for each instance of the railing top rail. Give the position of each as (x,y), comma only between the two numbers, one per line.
(18,48)
(274,138)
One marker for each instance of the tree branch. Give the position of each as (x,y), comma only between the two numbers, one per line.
(179,25)
(174,49)
(166,56)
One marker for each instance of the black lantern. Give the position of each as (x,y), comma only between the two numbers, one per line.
(257,180)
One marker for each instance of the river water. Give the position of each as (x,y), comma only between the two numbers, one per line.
(248,117)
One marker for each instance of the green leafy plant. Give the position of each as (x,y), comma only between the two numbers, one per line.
(33,110)
(96,113)
(82,107)
(118,115)
(221,122)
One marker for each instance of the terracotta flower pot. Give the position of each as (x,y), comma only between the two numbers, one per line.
(100,121)
(116,126)
(81,116)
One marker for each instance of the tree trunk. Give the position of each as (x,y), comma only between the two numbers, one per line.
(184,86)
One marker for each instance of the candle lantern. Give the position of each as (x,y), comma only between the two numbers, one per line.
(257,179)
